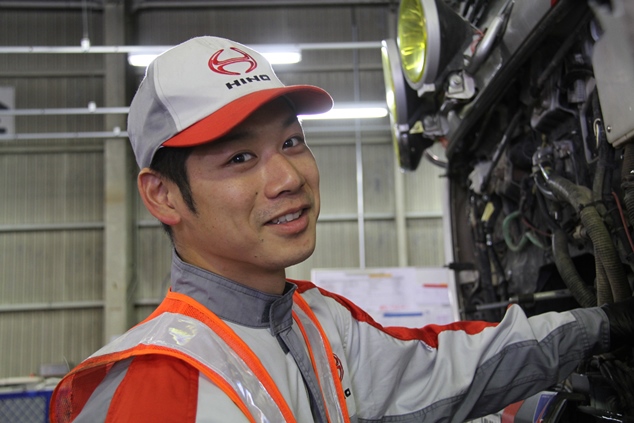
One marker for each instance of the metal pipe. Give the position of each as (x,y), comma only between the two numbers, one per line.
(63,135)
(51,149)
(352,45)
(401,222)
(522,299)
(358,151)
(29,4)
(434,159)
(34,227)
(48,73)
(94,110)
(65,111)
(124,134)
(12,308)
(139,5)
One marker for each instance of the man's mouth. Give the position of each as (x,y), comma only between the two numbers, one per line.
(286,218)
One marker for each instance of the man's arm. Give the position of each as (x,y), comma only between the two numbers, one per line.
(465,369)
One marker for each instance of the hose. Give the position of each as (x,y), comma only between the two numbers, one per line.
(506,232)
(580,198)
(606,252)
(535,240)
(606,200)
(627,181)
(578,288)
(597,184)
(604,290)
(526,236)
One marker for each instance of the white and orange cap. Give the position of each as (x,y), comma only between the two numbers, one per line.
(201,89)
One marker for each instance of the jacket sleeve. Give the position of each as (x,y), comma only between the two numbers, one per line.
(462,370)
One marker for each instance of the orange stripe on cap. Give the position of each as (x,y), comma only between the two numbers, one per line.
(307,99)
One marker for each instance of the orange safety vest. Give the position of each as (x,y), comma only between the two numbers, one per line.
(181,327)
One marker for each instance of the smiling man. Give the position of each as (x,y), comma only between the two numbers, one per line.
(226,169)
(256,196)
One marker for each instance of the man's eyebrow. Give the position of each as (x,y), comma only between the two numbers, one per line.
(232,136)
(238,134)
(292,119)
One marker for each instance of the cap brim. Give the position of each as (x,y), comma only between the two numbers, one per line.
(307,99)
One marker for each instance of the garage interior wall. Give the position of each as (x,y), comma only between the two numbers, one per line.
(80,258)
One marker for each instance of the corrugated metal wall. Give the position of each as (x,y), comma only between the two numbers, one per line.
(51,200)
(52,190)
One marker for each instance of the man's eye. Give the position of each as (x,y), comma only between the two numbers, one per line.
(241,158)
(292,142)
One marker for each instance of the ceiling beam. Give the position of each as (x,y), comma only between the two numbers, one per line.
(162,4)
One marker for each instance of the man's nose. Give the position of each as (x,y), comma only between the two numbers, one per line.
(283,175)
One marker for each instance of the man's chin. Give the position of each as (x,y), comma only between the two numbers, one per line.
(299,256)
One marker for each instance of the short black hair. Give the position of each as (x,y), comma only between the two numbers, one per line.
(170,162)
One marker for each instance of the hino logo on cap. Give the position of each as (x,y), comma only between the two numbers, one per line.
(246,80)
(220,66)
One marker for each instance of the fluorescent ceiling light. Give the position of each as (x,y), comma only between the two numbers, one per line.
(141,60)
(351,111)
(279,54)
(276,55)
(283,57)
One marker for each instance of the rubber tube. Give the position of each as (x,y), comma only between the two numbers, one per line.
(627,181)
(578,288)
(604,290)
(580,198)
(506,233)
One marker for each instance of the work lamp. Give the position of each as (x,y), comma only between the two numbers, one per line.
(431,38)
(403,107)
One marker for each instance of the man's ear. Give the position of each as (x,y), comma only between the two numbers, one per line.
(158,196)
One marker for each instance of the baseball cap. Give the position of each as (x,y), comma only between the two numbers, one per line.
(201,89)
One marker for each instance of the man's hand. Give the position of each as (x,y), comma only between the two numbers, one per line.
(621,317)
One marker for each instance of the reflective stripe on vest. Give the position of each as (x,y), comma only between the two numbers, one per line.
(182,328)
(323,360)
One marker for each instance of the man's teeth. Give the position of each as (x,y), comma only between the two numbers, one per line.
(287,218)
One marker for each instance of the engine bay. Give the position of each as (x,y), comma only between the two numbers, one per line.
(534,110)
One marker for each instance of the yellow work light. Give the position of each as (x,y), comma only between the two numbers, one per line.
(412,38)
(431,38)
(402,101)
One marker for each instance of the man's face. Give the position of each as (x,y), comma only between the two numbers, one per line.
(256,193)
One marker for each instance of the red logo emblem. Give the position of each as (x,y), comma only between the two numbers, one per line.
(220,66)
(339,366)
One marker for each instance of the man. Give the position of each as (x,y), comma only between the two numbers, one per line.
(226,169)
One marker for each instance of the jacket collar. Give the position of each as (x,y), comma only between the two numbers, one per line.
(232,301)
